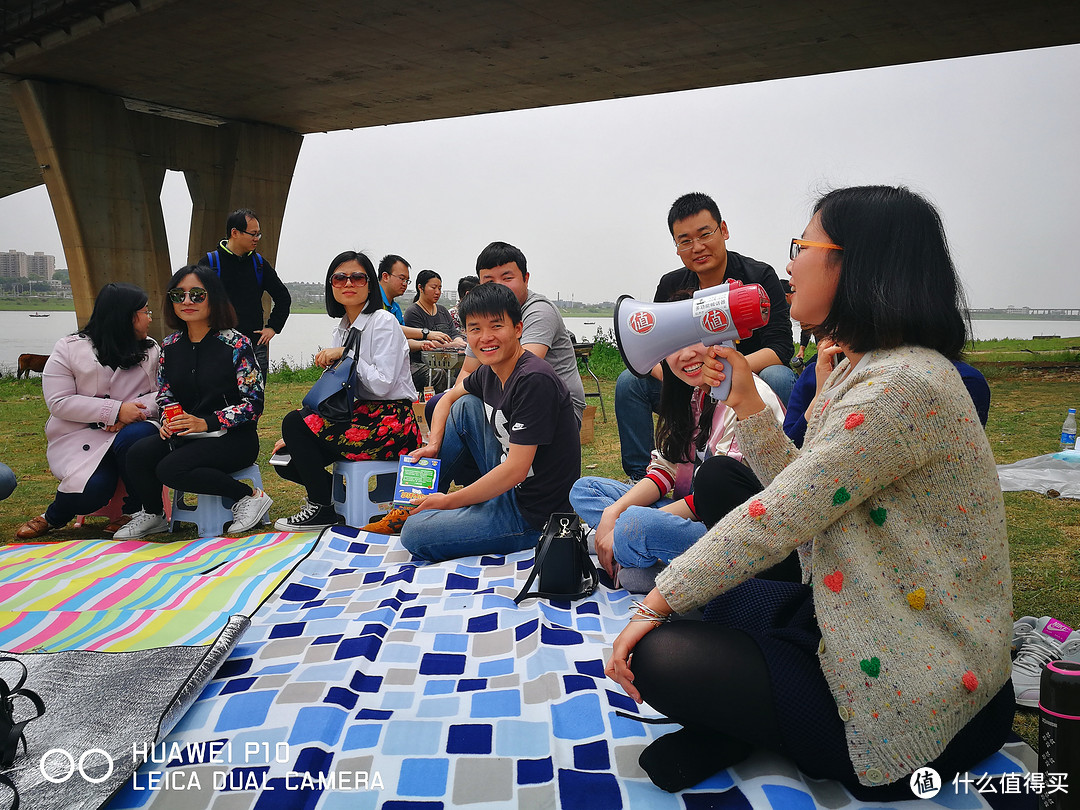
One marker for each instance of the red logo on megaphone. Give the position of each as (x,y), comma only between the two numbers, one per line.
(641,322)
(715,320)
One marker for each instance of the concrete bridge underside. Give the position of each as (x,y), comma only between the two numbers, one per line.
(98,98)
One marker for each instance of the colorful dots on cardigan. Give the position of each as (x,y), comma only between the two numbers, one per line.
(756,509)
(917,599)
(841,496)
(854,420)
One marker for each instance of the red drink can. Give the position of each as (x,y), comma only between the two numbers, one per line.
(172,410)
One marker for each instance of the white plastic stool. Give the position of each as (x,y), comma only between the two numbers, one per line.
(211,513)
(354,498)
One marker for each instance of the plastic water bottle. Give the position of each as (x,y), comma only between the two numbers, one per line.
(1068,431)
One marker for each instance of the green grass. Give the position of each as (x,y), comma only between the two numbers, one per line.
(1028,407)
(24,304)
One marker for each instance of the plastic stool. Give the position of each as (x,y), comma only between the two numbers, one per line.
(212,513)
(354,498)
(112,510)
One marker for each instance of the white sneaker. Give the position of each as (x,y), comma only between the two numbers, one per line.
(1021,628)
(249,511)
(142,524)
(1049,640)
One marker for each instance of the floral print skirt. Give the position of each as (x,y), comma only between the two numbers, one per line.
(380,431)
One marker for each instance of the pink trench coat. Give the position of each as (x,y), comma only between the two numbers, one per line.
(81,392)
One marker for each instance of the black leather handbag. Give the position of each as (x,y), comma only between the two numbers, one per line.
(331,397)
(562,562)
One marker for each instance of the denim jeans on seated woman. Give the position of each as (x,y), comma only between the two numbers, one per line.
(644,535)
(469,450)
(101,485)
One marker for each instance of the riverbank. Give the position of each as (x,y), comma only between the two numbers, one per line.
(35,304)
(68,305)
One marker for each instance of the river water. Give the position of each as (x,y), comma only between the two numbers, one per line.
(306,334)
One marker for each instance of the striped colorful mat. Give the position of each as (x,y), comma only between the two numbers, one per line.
(113,596)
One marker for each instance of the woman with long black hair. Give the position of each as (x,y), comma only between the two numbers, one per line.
(99,385)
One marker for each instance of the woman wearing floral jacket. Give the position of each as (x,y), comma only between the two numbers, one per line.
(383,425)
(208,375)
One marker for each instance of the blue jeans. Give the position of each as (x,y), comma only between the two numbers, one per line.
(638,398)
(8,482)
(101,485)
(644,535)
(469,450)
(781,379)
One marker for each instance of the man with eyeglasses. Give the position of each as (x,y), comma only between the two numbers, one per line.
(246,276)
(394,281)
(700,234)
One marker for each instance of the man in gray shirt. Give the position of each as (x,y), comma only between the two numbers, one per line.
(544,334)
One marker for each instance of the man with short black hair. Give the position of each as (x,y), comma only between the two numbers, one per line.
(507,432)
(700,234)
(246,276)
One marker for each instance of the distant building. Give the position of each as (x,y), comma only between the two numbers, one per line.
(13,265)
(41,265)
(16,264)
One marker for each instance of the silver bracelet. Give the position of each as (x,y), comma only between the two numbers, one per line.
(644,613)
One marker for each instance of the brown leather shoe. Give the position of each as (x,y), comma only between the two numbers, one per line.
(33,528)
(115,525)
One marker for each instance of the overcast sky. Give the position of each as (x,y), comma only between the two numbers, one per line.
(584,190)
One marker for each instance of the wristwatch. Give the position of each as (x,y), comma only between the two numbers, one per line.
(424,333)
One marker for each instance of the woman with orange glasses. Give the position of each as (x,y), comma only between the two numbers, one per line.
(893,653)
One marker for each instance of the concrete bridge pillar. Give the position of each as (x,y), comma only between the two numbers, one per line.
(103,165)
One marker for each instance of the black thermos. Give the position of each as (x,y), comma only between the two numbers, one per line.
(1059,732)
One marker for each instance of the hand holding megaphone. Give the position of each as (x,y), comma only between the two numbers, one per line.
(646,333)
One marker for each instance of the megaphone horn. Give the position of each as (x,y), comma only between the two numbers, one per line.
(646,333)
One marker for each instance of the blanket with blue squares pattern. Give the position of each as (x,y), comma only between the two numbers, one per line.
(376,681)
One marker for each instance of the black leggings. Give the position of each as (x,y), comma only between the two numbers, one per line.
(715,679)
(195,465)
(311,456)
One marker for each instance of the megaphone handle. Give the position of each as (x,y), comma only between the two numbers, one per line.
(720,392)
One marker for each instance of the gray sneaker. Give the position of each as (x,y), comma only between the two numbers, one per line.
(1050,640)
(140,525)
(1021,628)
(248,512)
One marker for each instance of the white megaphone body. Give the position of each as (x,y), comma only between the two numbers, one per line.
(646,333)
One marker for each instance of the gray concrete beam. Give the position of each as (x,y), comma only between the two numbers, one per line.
(104,164)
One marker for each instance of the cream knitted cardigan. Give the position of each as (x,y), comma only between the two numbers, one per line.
(896,495)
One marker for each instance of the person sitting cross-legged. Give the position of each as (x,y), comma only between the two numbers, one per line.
(507,432)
